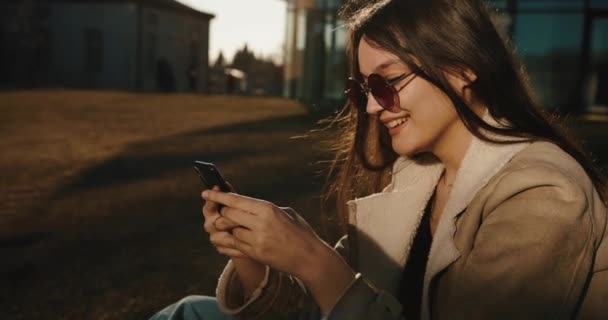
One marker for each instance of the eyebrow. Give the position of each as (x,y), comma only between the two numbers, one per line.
(384,65)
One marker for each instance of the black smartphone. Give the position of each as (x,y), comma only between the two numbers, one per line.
(211,176)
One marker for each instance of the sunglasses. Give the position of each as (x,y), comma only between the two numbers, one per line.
(382,89)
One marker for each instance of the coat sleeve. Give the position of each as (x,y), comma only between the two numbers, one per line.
(362,301)
(278,296)
(532,255)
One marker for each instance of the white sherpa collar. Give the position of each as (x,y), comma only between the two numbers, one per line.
(383,225)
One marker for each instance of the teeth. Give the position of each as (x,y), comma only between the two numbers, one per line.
(396,122)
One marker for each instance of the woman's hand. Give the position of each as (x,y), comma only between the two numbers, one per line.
(221,238)
(274,236)
(280,238)
(250,272)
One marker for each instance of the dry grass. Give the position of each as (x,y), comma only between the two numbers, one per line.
(100,207)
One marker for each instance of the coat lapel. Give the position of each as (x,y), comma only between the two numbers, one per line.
(383,225)
(480,163)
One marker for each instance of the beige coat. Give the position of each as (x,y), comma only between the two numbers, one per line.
(522,236)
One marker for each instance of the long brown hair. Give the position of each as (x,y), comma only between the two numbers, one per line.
(440,34)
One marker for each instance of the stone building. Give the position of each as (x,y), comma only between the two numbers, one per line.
(141,45)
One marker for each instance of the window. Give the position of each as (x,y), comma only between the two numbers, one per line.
(597,94)
(152,19)
(41,13)
(335,60)
(599,4)
(550,45)
(44,48)
(151,53)
(550,4)
(93,50)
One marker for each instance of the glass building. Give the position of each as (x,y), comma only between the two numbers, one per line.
(562,43)
(315,61)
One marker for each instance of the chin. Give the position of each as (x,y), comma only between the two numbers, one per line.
(406,151)
(409,148)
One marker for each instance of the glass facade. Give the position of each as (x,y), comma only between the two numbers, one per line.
(315,61)
(597,89)
(551,54)
(563,46)
(562,43)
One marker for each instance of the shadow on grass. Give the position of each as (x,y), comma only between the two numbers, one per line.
(239,142)
(133,222)
(24,240)
(150,159)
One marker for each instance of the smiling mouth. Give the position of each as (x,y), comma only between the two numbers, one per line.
(395,123)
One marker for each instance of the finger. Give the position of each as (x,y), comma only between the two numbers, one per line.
(222,239)
(226,240)
(208,225)
(247,204)
(232,253)
(211,207)
(224,224)
(240,217)
(244,239)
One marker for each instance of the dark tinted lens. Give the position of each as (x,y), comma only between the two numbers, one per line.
(384,94)
(356,94)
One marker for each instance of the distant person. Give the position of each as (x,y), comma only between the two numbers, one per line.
(230,84)
(489,210)
(165,79)
(192,77)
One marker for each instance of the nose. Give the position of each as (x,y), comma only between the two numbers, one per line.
(372,107)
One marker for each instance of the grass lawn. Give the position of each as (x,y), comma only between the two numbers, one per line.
(100,209)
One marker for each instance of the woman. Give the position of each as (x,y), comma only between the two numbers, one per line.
(490,211)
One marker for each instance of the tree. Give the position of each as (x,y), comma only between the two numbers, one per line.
(220,62)
(243,59)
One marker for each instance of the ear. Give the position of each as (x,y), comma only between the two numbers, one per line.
(461,77)
(468,75)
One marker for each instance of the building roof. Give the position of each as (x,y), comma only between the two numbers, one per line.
(166,4)
(172,4)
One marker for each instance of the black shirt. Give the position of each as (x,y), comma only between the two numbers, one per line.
(410,289)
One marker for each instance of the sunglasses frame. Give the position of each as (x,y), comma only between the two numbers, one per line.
(393,106)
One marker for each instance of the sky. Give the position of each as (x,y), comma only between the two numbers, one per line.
(259,23)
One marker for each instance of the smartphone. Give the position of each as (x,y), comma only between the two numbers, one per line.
(211,176)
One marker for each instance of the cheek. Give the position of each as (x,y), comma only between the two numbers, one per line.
(431,113)
(429,108)
(434,118)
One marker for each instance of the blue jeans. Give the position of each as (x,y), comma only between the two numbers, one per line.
(193,308)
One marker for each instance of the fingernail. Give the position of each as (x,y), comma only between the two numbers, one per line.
(206,194)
